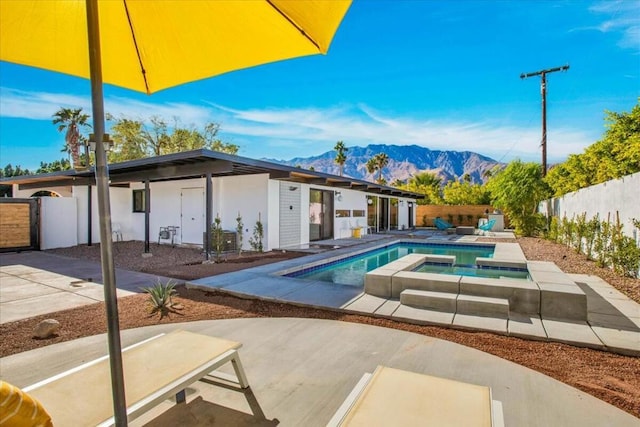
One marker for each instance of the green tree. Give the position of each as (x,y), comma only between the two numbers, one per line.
(517,190)
(377,163)
(72,121)
(7,172)
(55,166)
(615,155)
(465,193)
(341,155)
(133,139)
(426,183)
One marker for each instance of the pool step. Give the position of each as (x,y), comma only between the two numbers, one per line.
(454,303)
(482,306)
(439,301)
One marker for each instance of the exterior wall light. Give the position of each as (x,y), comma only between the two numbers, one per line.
(108,143)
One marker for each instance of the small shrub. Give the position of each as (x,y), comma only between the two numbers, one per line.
(450,217)
(625,256)
(239,230)
(258,235)
(470,219)
(460,218)
(424,221)
(160,297)
(217,237)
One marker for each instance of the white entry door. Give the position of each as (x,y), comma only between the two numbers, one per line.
(193,215)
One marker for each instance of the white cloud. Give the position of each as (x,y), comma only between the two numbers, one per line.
(288,132)
(622,16)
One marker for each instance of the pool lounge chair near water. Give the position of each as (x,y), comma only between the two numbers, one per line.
(441,224)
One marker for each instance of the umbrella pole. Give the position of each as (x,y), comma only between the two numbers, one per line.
(104,211)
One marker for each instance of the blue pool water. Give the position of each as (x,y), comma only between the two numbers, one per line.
(351,270)
(489,272)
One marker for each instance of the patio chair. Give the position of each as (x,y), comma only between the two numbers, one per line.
(486,228)
(157,368)
(397,397)
(441,224)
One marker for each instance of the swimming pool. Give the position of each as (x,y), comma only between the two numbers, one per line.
(351,270)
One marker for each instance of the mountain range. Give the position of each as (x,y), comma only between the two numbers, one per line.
(404,162)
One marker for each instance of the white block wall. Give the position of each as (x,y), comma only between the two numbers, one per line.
(58,222)
(619,195)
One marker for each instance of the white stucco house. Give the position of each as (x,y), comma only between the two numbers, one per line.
(188,190)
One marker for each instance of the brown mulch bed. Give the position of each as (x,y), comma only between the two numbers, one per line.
(610,377)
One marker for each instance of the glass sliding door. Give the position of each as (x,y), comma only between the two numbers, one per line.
(394,214)
(372,214)
(320,215)
(383,214)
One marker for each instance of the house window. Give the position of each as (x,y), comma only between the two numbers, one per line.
(342,213)
(139,202)
(358,213)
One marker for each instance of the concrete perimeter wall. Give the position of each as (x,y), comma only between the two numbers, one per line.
(621,196)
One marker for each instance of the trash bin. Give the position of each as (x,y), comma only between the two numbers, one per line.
(356,232)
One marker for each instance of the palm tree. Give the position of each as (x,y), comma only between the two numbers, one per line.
(341,155)
(377,163)
(381,160)
(71,120)
(426,179)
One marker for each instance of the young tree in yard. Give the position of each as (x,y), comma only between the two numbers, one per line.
(341,155)
(517,190)
(71,120)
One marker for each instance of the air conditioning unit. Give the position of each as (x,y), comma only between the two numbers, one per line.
(230,240)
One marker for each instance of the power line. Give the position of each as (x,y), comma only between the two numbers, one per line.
(543,91)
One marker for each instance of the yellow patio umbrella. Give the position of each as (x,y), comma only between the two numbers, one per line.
(148,46)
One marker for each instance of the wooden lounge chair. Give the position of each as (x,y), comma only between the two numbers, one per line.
(154,370)
(396,397)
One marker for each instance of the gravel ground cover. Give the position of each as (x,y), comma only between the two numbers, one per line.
(610,377)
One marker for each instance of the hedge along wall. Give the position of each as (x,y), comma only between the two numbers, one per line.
(425,214)
(618,196)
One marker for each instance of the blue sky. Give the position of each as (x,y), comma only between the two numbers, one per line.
(440,74)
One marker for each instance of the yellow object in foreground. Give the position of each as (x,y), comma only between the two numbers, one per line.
(19,409)
(148,45)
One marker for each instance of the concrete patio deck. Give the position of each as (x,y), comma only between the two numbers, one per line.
(300,371)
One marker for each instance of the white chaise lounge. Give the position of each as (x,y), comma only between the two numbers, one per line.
(393,397)
(154,370)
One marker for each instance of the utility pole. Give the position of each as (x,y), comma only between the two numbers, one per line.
(543,90)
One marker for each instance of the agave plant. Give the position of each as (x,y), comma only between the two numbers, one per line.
(160,296)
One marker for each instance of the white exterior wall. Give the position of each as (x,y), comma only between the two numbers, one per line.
(250,195)
(618,195)
(164,209)
(58,219)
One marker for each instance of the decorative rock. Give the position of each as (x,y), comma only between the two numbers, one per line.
(46,328)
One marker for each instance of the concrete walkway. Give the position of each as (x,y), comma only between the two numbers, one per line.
(301,370)
(35,283)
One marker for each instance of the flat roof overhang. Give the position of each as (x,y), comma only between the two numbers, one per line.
(197,164)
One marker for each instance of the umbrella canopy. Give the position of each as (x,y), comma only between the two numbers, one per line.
(148,46)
